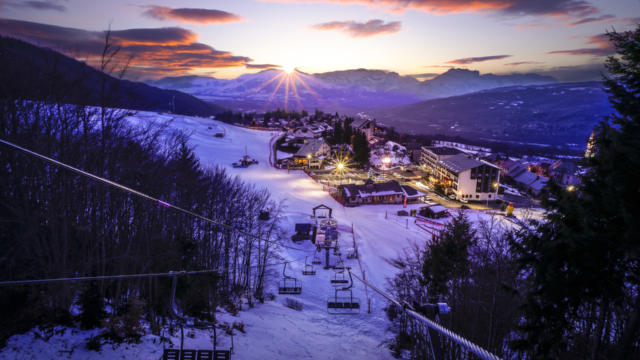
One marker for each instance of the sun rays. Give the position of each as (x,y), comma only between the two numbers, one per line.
(287,81)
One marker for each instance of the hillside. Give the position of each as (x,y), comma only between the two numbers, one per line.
(554,114)
(33,72)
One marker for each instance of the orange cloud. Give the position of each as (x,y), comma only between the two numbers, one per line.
(603,47)
(360,29)
(191,15)
(155,52)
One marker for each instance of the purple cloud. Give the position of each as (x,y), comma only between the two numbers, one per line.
(361,29)
(592,19)
(190,15)
(469,60)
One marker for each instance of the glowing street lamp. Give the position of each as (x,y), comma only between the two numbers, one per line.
(570,188)
(493,186)
(386,161)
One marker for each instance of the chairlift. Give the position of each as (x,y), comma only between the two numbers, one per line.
(343,302)
(191,354)
(316,259)
(289,285)
(339,277)
(308,269)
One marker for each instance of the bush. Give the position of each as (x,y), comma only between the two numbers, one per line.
(126,327)
(94,343)
(239,326)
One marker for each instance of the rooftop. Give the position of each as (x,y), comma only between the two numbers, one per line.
(438,150)
(311,147)
(460,163)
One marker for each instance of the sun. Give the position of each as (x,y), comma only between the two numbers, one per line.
(289,69)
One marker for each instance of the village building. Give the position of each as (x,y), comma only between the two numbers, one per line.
(433,212)
(390,192)
(305,133)
(311,154)
(467,178)
(364,123)
(532,183)
(431,155)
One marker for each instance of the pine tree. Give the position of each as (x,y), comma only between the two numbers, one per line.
(92,307)
(582,263)
(448,258)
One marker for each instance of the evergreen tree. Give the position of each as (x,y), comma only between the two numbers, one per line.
(448,258)
(92,307)
(582,263)
(338,134)
(361,148)
(348,131)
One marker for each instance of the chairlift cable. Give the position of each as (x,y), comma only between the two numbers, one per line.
(140,194)
(480,352)
(125,276)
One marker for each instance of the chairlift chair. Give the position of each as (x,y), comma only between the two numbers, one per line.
(339,278)
(343,302)
(308,268)
(316,260)
(289,285)
(190,354)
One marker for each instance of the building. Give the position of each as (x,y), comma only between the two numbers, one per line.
(533,183)
(433,212)
(463,147)
(468,178)
(390,192)
(311,153)
(364,123)
(415,151)
(431,155)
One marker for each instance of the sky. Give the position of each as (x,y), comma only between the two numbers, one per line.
(422,38)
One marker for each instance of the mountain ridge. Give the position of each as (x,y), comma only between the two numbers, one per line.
(36,73)
(342,90)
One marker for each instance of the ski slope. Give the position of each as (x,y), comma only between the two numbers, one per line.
(274,331)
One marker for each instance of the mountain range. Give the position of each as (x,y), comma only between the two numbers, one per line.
(344,91)
(35,73)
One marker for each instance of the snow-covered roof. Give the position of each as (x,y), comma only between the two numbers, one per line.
(461,162)
(411,192)
(437,208)
(311,147)
(442,150)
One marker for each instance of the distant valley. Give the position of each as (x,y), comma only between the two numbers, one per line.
(554,114)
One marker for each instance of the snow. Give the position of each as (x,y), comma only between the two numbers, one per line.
(274,331)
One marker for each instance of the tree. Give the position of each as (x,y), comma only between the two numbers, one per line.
(447,259)
(361,148)
(582,263)
(91,304)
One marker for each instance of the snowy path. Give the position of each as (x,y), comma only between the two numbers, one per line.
(274,331)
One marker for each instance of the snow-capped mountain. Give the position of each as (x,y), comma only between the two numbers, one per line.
(347,90)
(462,81)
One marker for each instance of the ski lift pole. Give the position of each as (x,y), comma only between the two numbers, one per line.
(480,352)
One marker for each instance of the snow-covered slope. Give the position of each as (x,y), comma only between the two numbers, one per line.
(274,331)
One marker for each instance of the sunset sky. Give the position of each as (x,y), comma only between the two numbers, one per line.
(412,37)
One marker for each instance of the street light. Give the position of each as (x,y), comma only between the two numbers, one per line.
(493,186)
